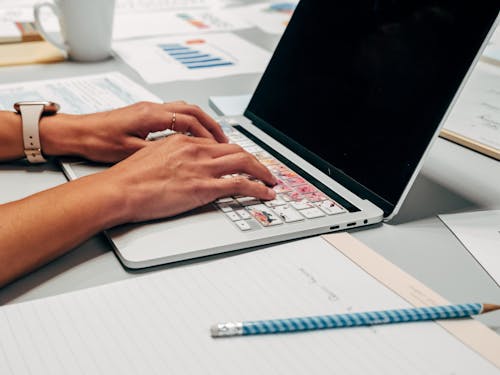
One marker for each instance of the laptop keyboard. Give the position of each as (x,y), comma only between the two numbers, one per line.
(296,199)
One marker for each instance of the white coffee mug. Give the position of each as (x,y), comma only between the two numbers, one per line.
(86,27)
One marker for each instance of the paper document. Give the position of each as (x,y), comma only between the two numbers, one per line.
(83,94)
(271,17)
(159,323)
(140,18)
(9,32)
(475,119)
(13,11)
(231,105)
(134,6)
(132,25)
(192,57)
(479,232)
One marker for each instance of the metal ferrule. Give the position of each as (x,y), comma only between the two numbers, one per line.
(227,329)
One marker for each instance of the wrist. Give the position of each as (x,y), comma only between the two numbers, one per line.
(60,135)
(105,198)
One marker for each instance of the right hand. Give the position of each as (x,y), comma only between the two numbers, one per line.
(179,173)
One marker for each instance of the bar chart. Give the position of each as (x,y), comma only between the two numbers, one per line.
(193,55)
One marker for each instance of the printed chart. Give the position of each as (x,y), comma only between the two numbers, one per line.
(192,57)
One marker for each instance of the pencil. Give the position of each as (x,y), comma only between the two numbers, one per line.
(350,320)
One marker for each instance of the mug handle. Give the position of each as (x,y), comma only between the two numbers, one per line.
(40,28)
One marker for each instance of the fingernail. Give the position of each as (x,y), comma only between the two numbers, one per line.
(271,193)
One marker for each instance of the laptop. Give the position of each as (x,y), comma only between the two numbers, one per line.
(344,115)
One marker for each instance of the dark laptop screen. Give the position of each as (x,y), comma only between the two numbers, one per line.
(359,87)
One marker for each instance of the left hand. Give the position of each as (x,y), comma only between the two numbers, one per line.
(113,135)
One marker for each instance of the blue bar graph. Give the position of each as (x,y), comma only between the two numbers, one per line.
(192,58)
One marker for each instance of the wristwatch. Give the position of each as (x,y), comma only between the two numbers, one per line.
(30,117)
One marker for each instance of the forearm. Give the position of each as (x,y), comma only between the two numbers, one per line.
(59,135)
(38,229)
(11,136)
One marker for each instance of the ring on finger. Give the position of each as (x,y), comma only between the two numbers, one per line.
(173,121)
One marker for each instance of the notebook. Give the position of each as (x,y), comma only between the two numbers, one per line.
(344,114)
(159,323)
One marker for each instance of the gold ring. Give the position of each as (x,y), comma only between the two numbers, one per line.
(173,121)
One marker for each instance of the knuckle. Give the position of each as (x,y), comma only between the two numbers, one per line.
(191,149)
(143,109)
(238,183)
(244,157)
(143,105)
(237,149)
(194,110)
(179,138)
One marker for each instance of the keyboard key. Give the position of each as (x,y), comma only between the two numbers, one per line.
(288,214)
(280,187)
(224,200)
(315,197)
(244,214)
(302,204)
(306,189)
(253,149)
(295,196)
(294,181)
(264,215)
(253,224)
(233,215)
(330,207)
(263,155)
(243,225)
(246,143)
(229,206)
(248,201)
(312,213)
(281,170)
(275,202)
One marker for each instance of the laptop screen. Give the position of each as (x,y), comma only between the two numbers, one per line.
(359,88)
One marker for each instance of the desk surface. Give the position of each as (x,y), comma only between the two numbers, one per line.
(453,179)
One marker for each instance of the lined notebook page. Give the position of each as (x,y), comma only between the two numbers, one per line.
(159,323)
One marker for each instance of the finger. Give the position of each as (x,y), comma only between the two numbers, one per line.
(149,117)
(189,124)
(225,187)
(217,150)
(182,138)
(241,162)
(135,144)
(177,102)
(203,118)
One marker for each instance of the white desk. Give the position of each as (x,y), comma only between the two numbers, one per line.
(453,179)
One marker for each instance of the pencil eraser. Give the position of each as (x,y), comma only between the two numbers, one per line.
(214,330)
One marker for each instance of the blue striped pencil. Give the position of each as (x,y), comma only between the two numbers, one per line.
(350,320)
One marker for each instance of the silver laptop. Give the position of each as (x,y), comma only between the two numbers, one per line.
(347,109)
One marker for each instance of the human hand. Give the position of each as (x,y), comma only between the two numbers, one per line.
(179,173)
(113,135)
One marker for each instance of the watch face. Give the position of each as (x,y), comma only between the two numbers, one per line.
(48,107)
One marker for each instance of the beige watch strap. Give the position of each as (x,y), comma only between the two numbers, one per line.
(30,117)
